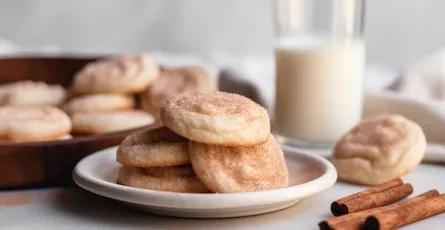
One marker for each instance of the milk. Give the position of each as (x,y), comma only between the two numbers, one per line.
(318,88)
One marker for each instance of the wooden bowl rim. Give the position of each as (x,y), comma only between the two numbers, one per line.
(54,55)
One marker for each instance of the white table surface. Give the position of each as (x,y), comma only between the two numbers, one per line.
(74,208)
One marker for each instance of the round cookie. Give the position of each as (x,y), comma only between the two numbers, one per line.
(99,103)
(97,123)
(158,147)
(172,179)
(175,81)
(216,118)
(240,169)
(124,74)
(379,149)
(30,93)
(27,124)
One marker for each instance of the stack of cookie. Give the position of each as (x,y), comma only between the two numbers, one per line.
(102,94)
(216,142)
(28,112)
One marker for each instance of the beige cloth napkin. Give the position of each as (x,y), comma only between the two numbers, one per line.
(419,94)
(429,114)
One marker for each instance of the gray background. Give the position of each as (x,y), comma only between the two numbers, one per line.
(397,31)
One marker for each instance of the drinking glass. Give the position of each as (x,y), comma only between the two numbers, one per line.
(319,58)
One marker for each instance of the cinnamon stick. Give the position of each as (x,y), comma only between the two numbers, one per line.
(405,215)
(354,220)
(335,206)
(376,200)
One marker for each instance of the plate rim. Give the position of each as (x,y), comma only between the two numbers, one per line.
(207,200)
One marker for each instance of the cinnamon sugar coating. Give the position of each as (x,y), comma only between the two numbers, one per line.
(158,147)
(240,169)
(172,179)
(217,118)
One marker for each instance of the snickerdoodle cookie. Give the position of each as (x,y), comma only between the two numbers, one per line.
(216,118)
(99,103)
(31,93)
(175,81)
(100,122)
(158,147)
(27,124)
(123,74)
(240,169)
(379,149)
(172,179)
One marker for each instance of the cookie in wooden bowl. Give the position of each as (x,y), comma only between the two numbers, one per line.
(174,81)
(99,103)
(30,124)
(31,93)
(107,122)
(120,74)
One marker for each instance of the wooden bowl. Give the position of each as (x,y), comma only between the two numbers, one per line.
(41,164)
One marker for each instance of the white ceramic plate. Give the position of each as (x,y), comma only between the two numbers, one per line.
(308,175)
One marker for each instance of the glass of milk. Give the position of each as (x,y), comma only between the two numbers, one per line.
(320,58)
